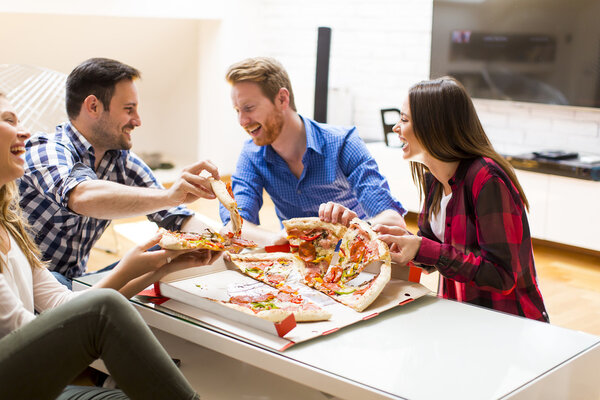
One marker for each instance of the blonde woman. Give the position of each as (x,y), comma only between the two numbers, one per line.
(40,355)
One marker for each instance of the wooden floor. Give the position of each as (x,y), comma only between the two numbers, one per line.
(569,279)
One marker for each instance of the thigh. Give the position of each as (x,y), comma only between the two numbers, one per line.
(91,393)
(39,359)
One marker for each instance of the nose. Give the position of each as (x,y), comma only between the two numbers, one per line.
(396,128)
(243,119)
(136,120)
(23,133)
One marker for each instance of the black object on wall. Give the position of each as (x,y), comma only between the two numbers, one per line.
(322,74)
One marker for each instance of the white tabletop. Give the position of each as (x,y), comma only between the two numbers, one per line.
(428,349)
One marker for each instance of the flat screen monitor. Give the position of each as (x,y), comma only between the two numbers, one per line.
(540,51)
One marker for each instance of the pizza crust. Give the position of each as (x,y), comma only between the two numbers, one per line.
(220,189)
(168,241)
(309,223)
(359,303)
(269,315)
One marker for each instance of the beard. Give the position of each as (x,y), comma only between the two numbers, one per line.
(271,129)
(108,134)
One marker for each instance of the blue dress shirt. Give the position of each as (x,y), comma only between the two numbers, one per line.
(337,167)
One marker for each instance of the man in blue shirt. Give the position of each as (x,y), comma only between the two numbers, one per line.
(306,167)
(83,175)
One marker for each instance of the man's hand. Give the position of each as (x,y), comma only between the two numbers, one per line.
(191,185)
(336,213)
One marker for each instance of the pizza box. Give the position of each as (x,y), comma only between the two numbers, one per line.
(189,292)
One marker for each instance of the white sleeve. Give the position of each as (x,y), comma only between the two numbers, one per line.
(13,313)
(47,291)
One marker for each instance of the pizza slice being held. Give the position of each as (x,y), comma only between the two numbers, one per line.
(274,269)
(276,305)
(360,246)
(173,240)
(225,195)
(313,241)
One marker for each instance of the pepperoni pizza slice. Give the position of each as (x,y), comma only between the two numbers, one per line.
(313,241)
(276,304)
(174,240)
(274,269)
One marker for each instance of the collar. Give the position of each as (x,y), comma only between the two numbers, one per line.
(79,141)
(460,173)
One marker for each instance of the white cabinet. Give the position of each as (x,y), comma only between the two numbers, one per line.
(573,217)
(562,210)
(397,171)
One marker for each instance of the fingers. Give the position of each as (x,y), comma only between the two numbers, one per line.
(390,230)
(151,242)
(197,185)
(336,213)
(205,165)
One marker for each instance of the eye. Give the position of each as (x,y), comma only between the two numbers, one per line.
(403,120)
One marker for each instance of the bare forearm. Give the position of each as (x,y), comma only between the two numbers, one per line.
(110,200)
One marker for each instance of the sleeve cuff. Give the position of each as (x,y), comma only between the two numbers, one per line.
(429,252)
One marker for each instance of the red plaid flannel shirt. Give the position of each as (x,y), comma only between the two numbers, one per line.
(486,257)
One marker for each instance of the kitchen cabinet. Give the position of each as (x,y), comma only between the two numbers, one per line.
(562,210)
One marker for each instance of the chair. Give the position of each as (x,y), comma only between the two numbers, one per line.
(387,127)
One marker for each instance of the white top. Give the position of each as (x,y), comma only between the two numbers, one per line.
(24,289)
(438,221)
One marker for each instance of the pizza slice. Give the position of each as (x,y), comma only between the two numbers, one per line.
(225,195)
(174,240)
(356,296)
(276,304)
(274,269)
(313,241)
(360,246)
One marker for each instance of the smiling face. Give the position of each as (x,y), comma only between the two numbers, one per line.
(257,114)
(112,131)
(412,150)
(12,143)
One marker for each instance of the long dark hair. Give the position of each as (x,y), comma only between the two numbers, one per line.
(446,124)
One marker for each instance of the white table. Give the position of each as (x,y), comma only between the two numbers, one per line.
(428,349)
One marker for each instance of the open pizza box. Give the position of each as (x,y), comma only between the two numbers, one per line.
(190,291)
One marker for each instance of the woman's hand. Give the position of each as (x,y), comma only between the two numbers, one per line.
(336,213)
(403,245)
(138,261)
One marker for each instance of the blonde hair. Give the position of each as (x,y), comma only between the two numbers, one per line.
(11,218)
(267,72)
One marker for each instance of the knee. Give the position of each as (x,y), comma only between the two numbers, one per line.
(107,299)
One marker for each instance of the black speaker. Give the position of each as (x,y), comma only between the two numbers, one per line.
(322,74)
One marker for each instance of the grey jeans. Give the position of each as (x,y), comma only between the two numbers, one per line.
(39,360)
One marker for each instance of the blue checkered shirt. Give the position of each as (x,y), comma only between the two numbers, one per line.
(55,164)
(337,167)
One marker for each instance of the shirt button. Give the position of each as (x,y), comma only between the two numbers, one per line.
(299,191)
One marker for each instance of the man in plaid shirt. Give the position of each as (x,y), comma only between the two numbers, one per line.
(84,175)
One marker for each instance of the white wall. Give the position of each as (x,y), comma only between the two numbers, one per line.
(379,48)
(168,89)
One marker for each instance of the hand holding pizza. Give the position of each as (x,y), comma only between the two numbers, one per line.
(191,185)
(138,261)
(336,213)
(403,245)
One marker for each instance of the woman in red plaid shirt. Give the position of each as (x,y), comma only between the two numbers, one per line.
(473,227)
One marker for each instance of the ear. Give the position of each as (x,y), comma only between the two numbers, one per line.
(283,98)
(92,106)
